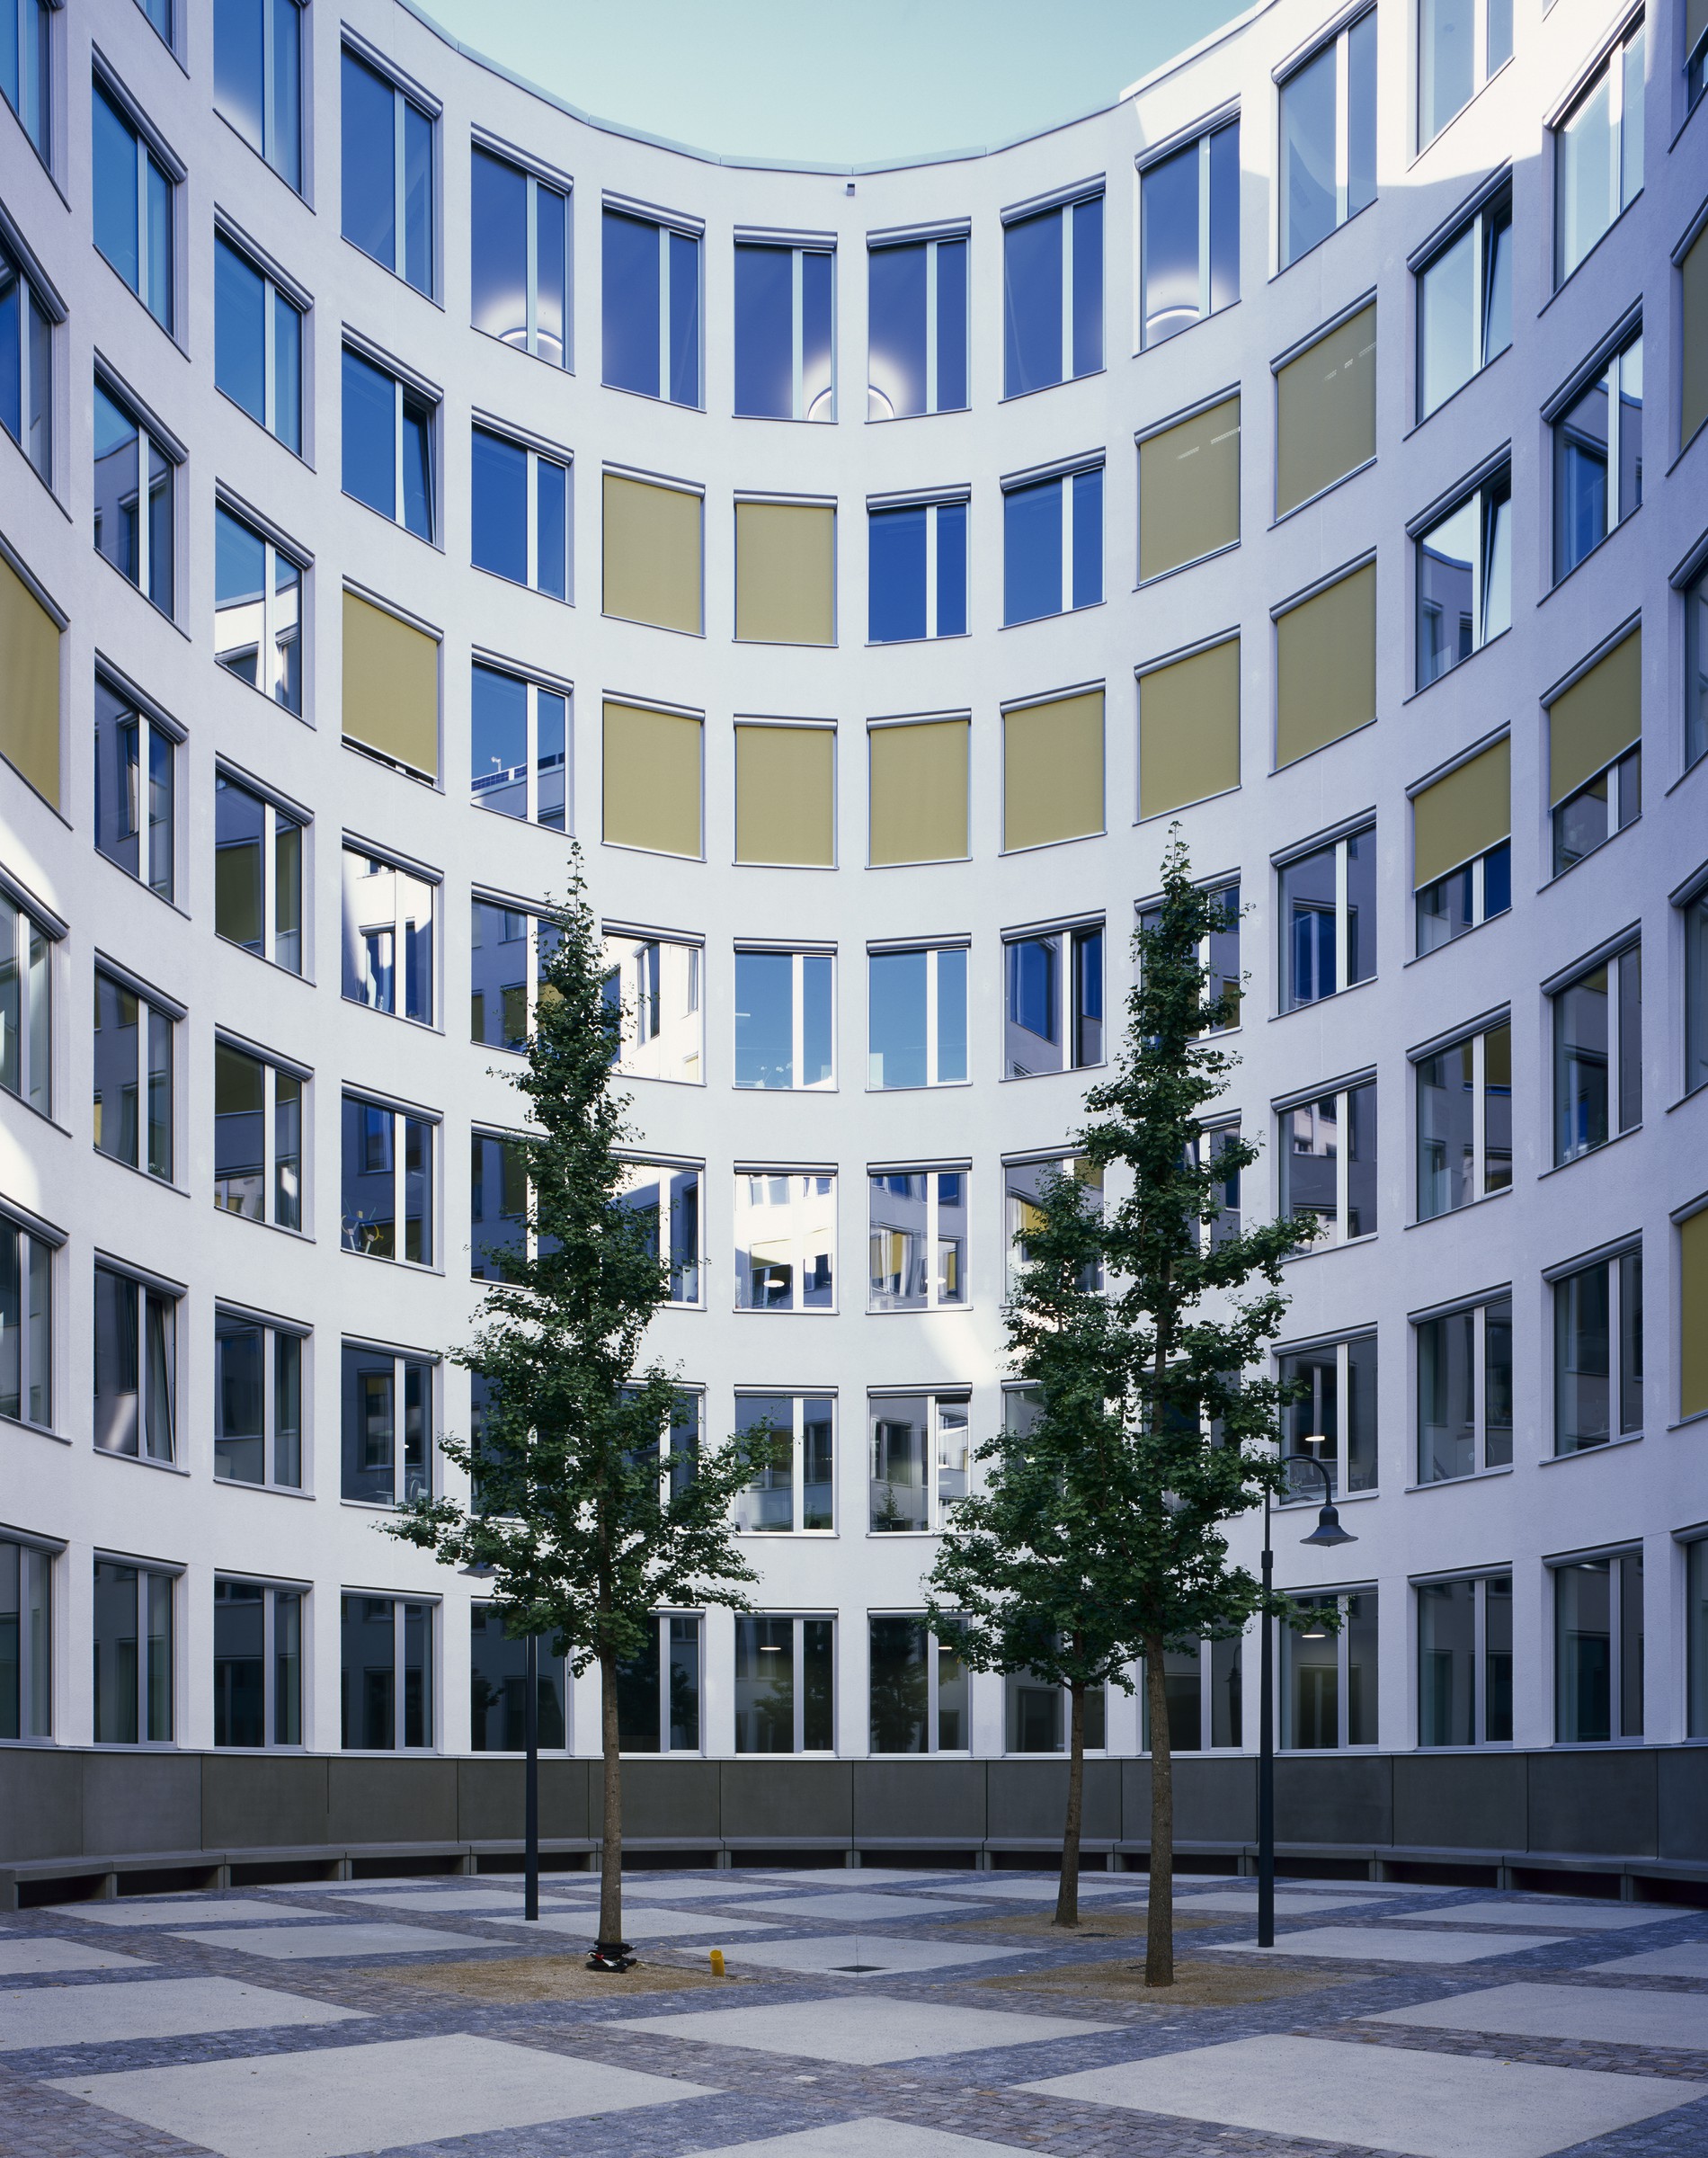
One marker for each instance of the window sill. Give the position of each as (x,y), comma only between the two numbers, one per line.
(1684,1423)
(1298,509)
(402,1266)
(760,1311)
(1314,1499)
(1277,274)
(1058,614)
(168,1469)
(427,539)
(1565,576)
(1067,1070)
(893,644)
(46,1116)
(386,269)
(426,1026)
(1484,1199)
(647,396)
(1162,576)
(1424,148)
(1453,943)
(160,1183)
(772,1536)
(1447,673)
(1473,1476)
(276,1491)
(1578,268)
(359,1505)
(1589,1154)
(521,584)
(305,461)
(1583,1453)
(1334,995)
(135,884)
(1321,1247)
(1014,397)
(639,623)
(1491,361)
(1600,846)
(274,966)
(916,1311)
(130,586)
(35,1431)
(931,1086)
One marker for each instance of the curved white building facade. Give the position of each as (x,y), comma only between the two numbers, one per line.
(1267,452)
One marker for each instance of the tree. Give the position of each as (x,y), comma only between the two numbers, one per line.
(584,1525)
(1098,1538)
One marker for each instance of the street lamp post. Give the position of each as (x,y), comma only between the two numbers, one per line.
(1327,1531)
(531,1785)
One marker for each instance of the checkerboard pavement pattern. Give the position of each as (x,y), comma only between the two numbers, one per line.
(933,2063)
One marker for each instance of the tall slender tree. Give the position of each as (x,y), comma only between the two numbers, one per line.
(584,1521)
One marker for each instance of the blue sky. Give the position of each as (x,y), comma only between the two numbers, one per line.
(854,85)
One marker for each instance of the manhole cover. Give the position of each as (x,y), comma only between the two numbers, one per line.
(857,1966)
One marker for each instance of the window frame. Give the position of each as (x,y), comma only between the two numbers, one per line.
(147,1572)
(945,1439)
(149,1292)
(798,954)
(1481,1158)
(1481,73)
(666,228)
(933,1039)
(548,1667)
(668,1169)
(275,1160)
(1339,1092)
(272,94)
(272,1710)
(1063,208)
(932,506)
(405,961)
(666,1622)
(35,1614)
(1482,1310)
(1338,1463)
(1148,915)
(428,413)
(432,1126)
(534,688)
(150,1004)
(798,1399)
(149,442)
(1621,1728)
(1201,141)
(1618,960)
(633,942)
(1490,493)
(42,313)
(1631,28)
(277,291)
(1096,1708)
(801,1281)
(276,814)
(933,244)
(276,1445)
(402,1360)
(931,1234)
(1624,1347)
(1343,1743)
(1482,1658)
(798,1686)
(535,178)
(1484,224)
(151,724)
(536,452)
(1062,1162)
(1693,906)
(406,96)
(1295,857)
(36,937)
(275,639)
(1071,939)
(37,1245)
(37,58)
(1604,369)
(152,152)
(427,1608)
(1066,478)
(1205,1654)
(1339,40)
(936,1650)
(798,251)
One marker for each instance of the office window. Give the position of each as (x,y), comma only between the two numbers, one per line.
(1189,490)
(388,1676)
(258,1135)
(257,607)
(655,982)
(916,328)
(1693,312)
(1595,753)
(508,951)
(653,780)
(389,445)
(26,1006)
(1597,154)
(258,874)
(785,794)
(1036,1713)
(1219,952)
(26,363)
(650,308)
(387,1178)
(1462,847)
(387,173)
(258,338)
(1024,1184)
(498,1232)
(916,572)
(1053,546)
(519,738)
(658,1690)
(1464,303)
(133,1078)
(1696,669)
(1328,919)
(1325,412)
(390,706)
(920,1695)
(784,1236)
(1464,1393)
(785,1023)
(1597,1354)
(1328,1150)
(918,1462)
(1190,234)
(387,1415)
(1464,579)
(1054,1001)
(131,1697)
(918,798)
(135,789)
(26,1641)
(1053,770)
(388,937)
(784,1685)
(519,257)
(1460,43)
(798,1491)
(1328,150)
(785,333)
(498,1684)
(1598,1650)
(258,78)
(1597,1054)
(1693,1313)
(1696,1637)
(258,1401)
(1053,296)
(257,1654)
(26,1328)
(1597,456)
(519,511)
(1333,1417)
(26,70)
(31,727)
(135,1367)
(1696,913)
(916,1017)
(1325,665)
(653,561)
(668,1196)
(1328,1680)
(1465,1121)
(916,1242)
(785,573)
(133,517)
(1465,1661)
(134,211)
(1203,1687)
(1189,730)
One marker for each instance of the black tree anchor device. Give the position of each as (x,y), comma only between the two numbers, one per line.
(612,1956)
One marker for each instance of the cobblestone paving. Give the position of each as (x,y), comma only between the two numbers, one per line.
(763,2094)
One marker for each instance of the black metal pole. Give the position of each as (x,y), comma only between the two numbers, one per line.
(1266,1753)
(531,1785)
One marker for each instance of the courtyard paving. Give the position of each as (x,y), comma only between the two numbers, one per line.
(883,2014)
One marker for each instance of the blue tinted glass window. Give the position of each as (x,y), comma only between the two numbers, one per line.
(552,728)
(1169,217)
(951,1016)
(951,569)
(369,172)
(898,1045)
(239,69)
(1225,217)
(158,297)
(1087,286)
(1033,999)
(629,302)
(552,545)
(1032,551)
(684,318)
(951,326)
(498,249)
(498,503)
(551,275)
(1361,114)
(1032,303)
(11,306)
(897,562)
(765,332)
(287,373)
(1088,538)
(896,302)
(1497,878)
(818,356)
(418,467)
(369,434)
(498,742)
(764,1018)
(1308,187)
(116,218)
(240,329)
(815,1019)
(418,198)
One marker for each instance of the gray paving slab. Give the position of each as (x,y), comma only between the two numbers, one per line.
(859,2139)
(150,2008)
(33,1954)
(871,1905)
(1389,1944)
(1025,1891)
(866,1956)
(331,1936)
(652,1887)
(506,1900)
(1382,2098)
(1683,1959)
(1288,1904)
(863,1876)
(863,2029)
(178,1910)
(645,1922)
(335,2102)
(1575,1917)
(1618,2015)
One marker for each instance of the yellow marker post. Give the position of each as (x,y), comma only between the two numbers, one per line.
(717,1963)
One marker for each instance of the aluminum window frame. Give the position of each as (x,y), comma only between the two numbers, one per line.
(798,251)
(432,1127)
(1341,1598)
(152,725)
(946,1440)
(1485,225)
(37,1247)
(797,1665)
(153,157)
(1339,1092)
(428,1609)
(1481,1158)
(150,442)
(1149,163)
(1610,67)
(667,227)
(404,99)
(275,1444)
(40,314)
(404,962)
(1337,1461)
(1624,1347)
(1621,1728)
(1481,73)
(934,1243)
(623,946)
(1481,1656)
(275,1157)
(35,1616)
(276,292)
(1209,1679)
(797,955)
(667,1169)
(534,453)
(401,1360)
(270,1593)
(151,1005)
(1069,939)
(1339,843)
(276,815)
(1623,1116)
(1065,480)
(273,97)
(933,244)
(1487,1306)
(147,1573)
(535,178)
(149,1292)
(1339,39)
(938,1648)
(802,1281)
(274,639)
(798,1398)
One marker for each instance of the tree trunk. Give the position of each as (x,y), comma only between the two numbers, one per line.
(1067,1896)
(1159,1930)
(611,1857)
